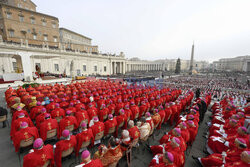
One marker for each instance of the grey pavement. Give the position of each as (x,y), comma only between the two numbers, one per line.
(199,143)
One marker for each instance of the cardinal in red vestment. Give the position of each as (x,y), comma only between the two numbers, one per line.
(58,113)
(86,135)
(25,133)
(88,162)
(193,129)
(82,116)
(103,113)
(163,160)
(15,126)
(17,112)
(35,111)
(243,162)
(47,125)
(110,123)
(231,155)
(97,126)
(168,112)
(67,121)
(40,155)
(41,117)
(68,142)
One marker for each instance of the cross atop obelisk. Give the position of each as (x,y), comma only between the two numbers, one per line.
(192,60)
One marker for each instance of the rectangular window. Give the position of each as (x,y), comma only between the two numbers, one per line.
(34,36)
(11,33)
(105,69)
(56,67)
(9,15)
(55,39)
(84,68)
(54,25)
(21,18)
(95,68)
(33,21)
(44,23)
(45,38)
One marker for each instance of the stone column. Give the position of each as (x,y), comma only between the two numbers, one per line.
(27,70)
(121,67)
(111,68)
(124,67)
(115,67)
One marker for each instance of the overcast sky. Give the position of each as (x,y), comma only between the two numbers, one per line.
(157,29)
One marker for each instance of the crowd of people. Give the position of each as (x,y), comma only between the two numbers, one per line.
(218,86)
(79,116)
(217,82)
(228,138)
(175,142)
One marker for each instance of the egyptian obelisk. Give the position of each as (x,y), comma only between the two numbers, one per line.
(192,60)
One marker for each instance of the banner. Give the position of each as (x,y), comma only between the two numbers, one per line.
(13,77)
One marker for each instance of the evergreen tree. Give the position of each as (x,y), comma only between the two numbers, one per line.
(178,66)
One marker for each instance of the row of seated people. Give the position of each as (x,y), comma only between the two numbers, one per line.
(78,109)
(48,127)
(228,140)
(65,95)
(85,135)
(78,143)
(171,151)
(45,155)
(126,109)
(45,121)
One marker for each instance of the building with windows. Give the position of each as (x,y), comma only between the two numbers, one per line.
(23,4)
(17,58)
(32,41)
(135,64)
(74,41)
(20,23)
(240,63)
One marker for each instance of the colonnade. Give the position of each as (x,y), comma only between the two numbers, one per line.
(117,67)
(145,67)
